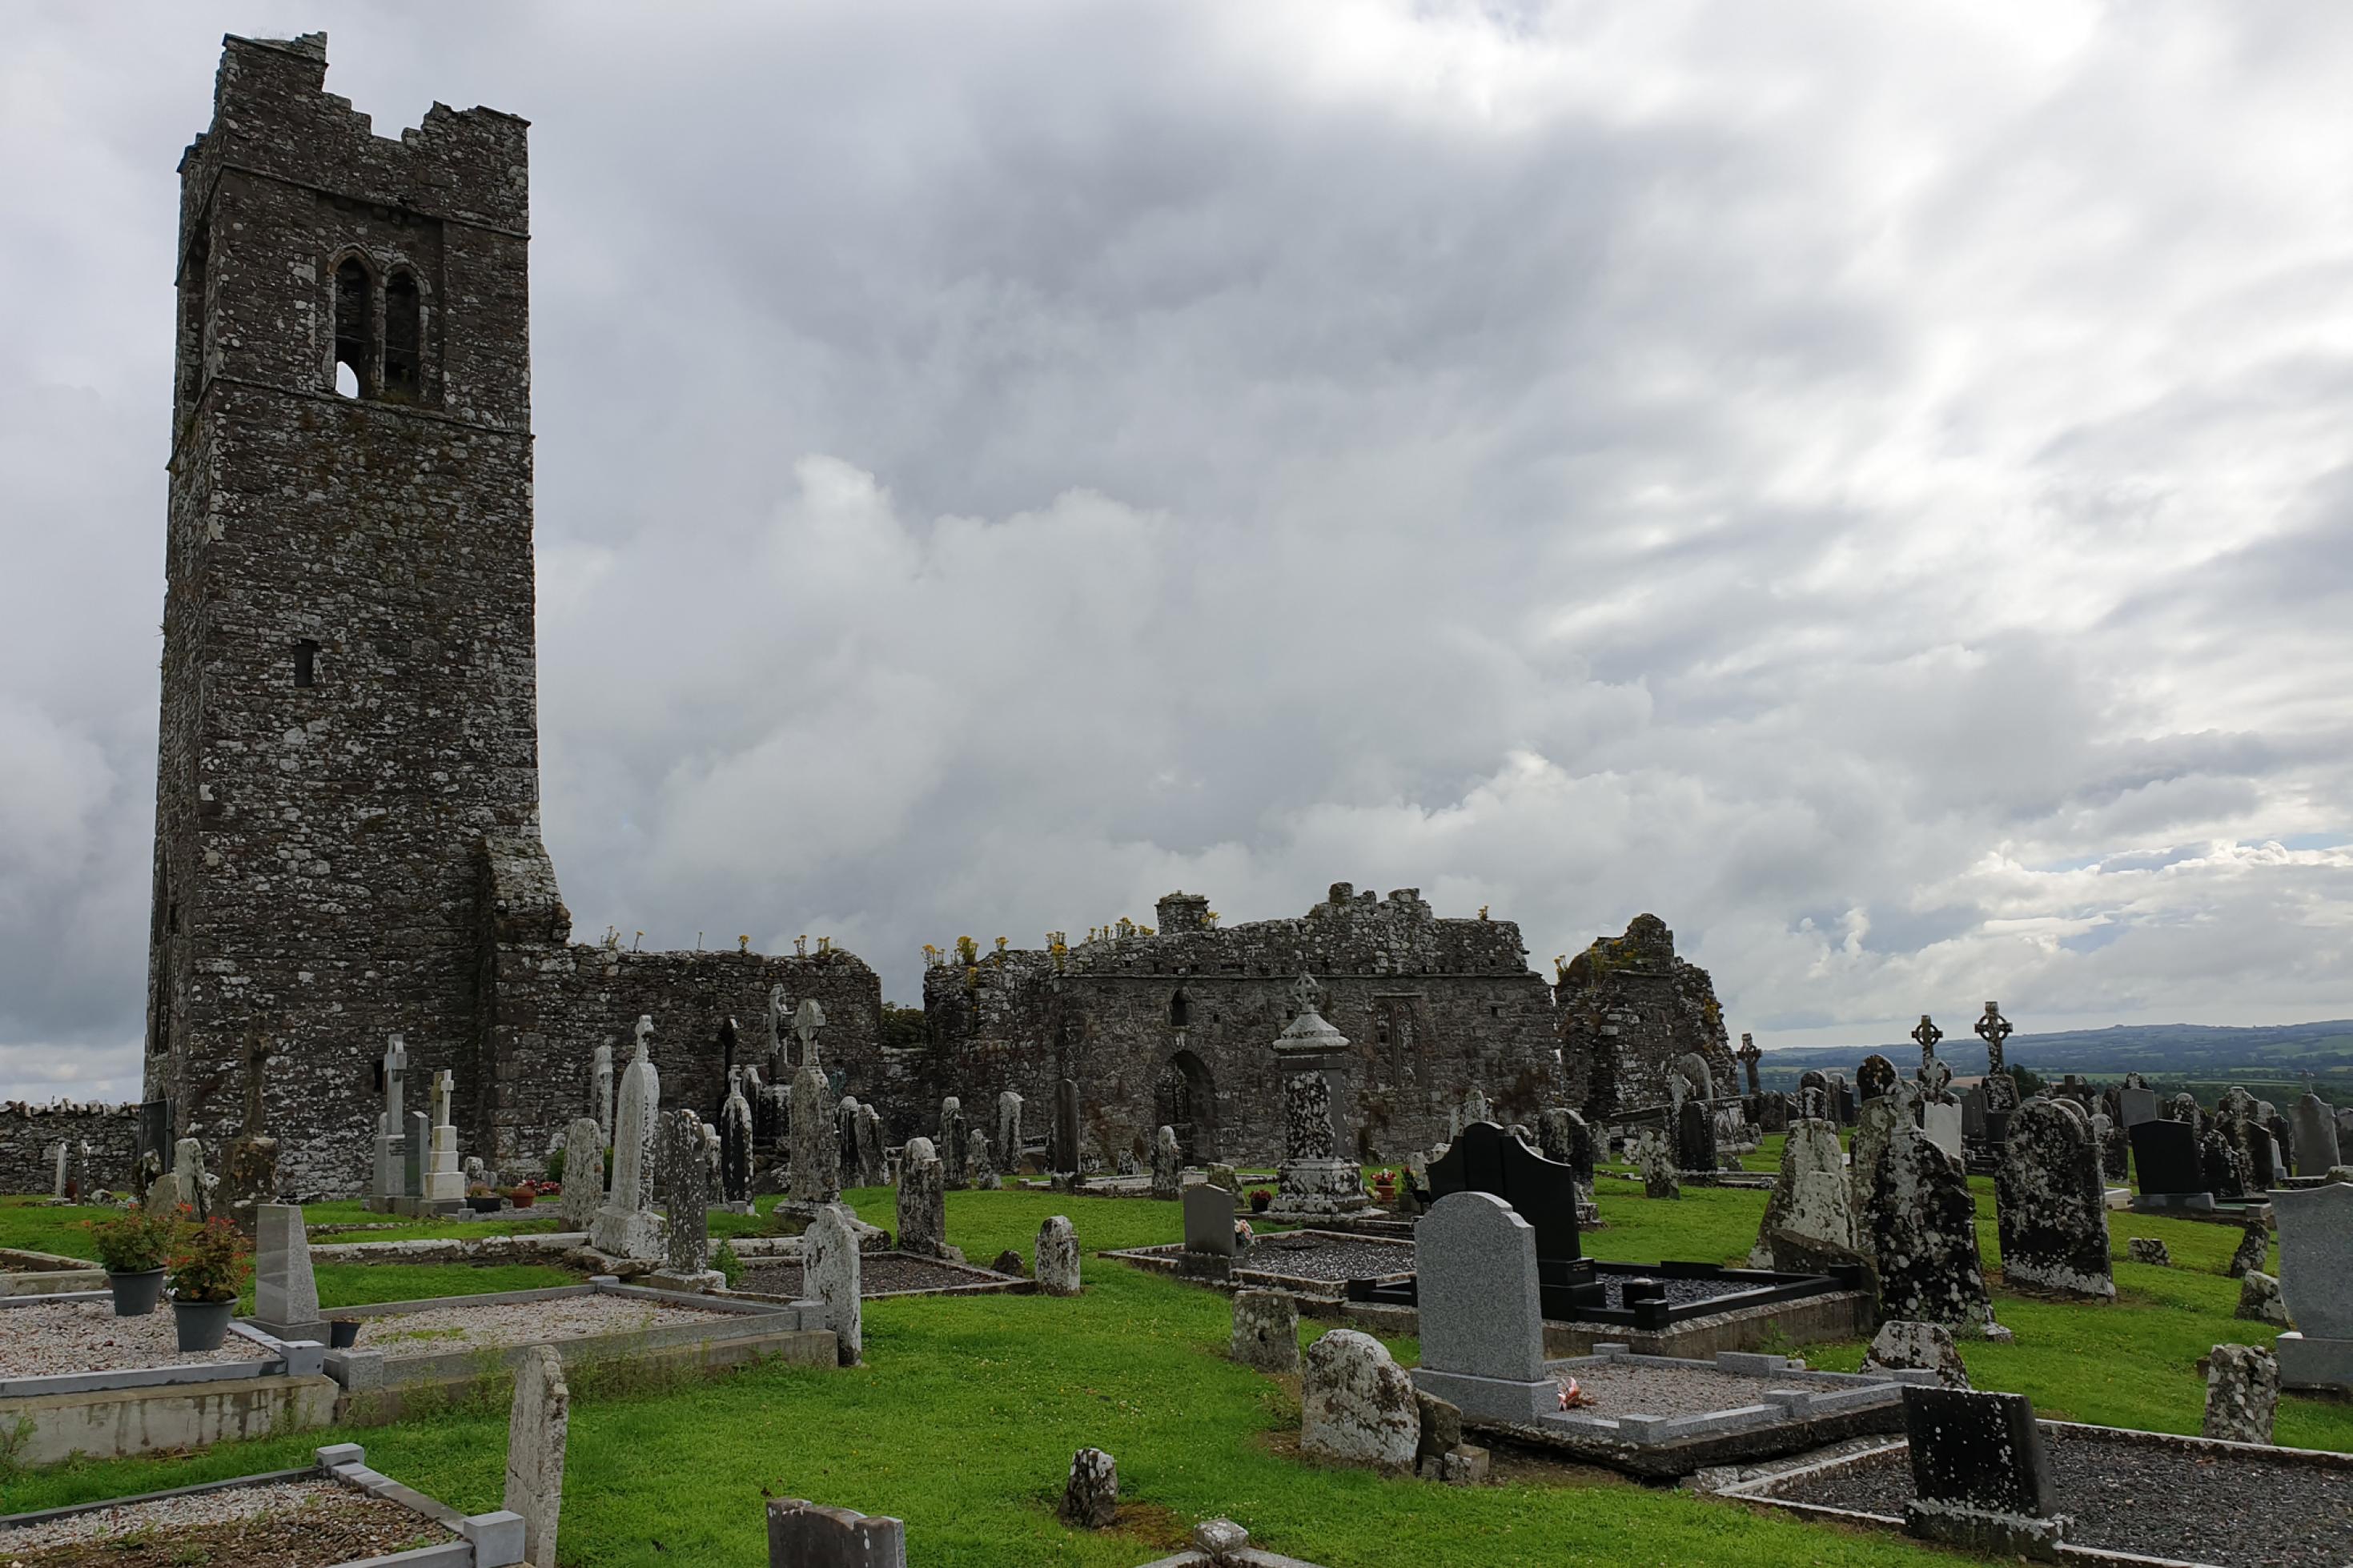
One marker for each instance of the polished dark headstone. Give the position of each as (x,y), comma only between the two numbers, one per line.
(2166,1155)
(1978,1450)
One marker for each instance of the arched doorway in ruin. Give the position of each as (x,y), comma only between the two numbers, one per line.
(1185,1099)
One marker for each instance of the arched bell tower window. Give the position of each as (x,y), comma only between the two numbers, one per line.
(402,337)
(354,329)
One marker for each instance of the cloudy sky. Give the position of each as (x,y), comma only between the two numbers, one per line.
(1867,483)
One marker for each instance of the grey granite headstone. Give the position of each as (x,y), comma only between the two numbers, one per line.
(1481,1322)
(803,1536)
(1209,1220)
(1941,1120)
(2315,1243)
(285,1291)
(2139,1105)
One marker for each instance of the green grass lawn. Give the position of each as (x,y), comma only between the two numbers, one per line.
(963,1419)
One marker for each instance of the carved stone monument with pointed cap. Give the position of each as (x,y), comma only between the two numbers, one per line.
(391,1128)
(626,1226)
(1318,1176)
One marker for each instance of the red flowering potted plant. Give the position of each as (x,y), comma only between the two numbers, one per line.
(521,1194)
(133,1247)
(209,1263)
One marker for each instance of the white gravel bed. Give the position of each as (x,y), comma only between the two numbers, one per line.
(86,1336)
(1636,1389)
(228,1506)
(520,1323)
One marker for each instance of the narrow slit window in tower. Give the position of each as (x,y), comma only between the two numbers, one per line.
(403,334)
(306,663)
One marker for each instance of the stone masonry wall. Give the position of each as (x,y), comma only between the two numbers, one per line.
(1629,1009)
(1178,1027)
(28,1132)
(553,1000)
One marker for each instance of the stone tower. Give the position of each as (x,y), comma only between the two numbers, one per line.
(348,691)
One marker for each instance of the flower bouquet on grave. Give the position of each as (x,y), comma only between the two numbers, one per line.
(133,1248)
(1384,1185)
(1242,1233)
(209,1263)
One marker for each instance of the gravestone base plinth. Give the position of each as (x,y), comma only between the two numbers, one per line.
(628,1233)
(1310,1189)
(1985,1531)
(2313,1363)
(2173,1203)
(1491,1398)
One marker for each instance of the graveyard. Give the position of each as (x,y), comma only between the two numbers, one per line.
(963,1415)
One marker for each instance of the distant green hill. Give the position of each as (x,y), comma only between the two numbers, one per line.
(2278,1055)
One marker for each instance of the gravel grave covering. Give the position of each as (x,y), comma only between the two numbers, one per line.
(2242,1510)
(308,1523)
(57,1337)
(1678,1292)
(456,1327)
(878,1273)
(1638,1389)
(1326,1259)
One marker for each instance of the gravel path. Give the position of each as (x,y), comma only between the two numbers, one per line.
(1324,1259)
(288,1524)
(520,1322)
(86,1336)
(2241,1510)
(1638,1389)
(878,1273)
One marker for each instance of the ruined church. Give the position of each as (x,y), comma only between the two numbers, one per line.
(347,834)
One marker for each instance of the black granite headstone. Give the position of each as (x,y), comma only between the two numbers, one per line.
(1843,1093)
(1978,1450)
(1543,1191)
(2166,1155)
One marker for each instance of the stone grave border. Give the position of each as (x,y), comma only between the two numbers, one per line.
(1170,1257)
(985,1281)
(491,1540)
(1796,1409)
(1757,1491)
(1830,1315)
(283,1358)
(24,1272)
(796,1332)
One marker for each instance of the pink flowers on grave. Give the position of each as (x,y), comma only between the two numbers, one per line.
(1571,1395)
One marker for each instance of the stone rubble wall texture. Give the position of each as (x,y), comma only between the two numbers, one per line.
(340,860)
(1629,1009)
(28,1132)
(1431,1006)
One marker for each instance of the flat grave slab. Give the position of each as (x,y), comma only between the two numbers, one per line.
(2170,1500)
(27,1273)
(338,1513)
(1664,1416)
(883,1274)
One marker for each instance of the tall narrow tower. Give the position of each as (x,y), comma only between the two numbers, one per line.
(348,678)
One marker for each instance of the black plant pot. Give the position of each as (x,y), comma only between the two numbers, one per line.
(343,1333)
(135,1295)
(483,1206)
(202,1325)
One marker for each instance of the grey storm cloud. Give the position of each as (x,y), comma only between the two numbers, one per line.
(1866,483)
